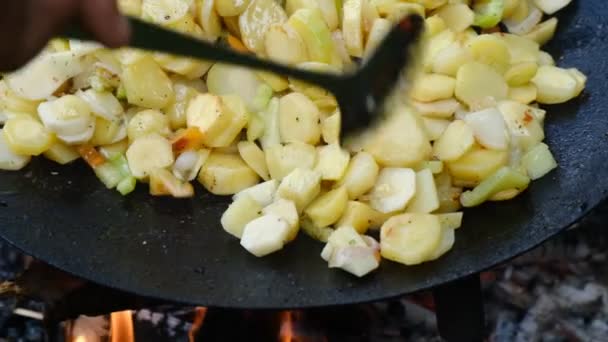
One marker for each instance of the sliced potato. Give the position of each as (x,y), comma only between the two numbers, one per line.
(254,157)
(284,44)
(446,243)
(399,141)
(287,210)
(148,153)
(394,189)
(263,193)
(226,174)
(457,16)
(242,211)
(555,85)
(26,136)
(490,50)
(311,26)
(521,73)
(299,119)
(283,159)
(478,164)
(358,215)
(456,141)
(360,175)
(448,60)
(255,21)
(58,152)
(433,87)
(265,235)
(330,128)
(332,162)
(435,127)
(301,186)
(443,109)
(352,26)
(426,199)
(543,32)
(450,220)
(476,83)
(524,94)
(327,209)
(146,84)
(231,8)
(410,239)
(147,122)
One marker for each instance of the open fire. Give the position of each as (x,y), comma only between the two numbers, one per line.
(558,292)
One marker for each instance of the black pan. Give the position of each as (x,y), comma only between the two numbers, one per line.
(176,249)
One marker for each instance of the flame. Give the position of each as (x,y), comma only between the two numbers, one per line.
(121,327)
(286,331)
(199,318)
(87,329)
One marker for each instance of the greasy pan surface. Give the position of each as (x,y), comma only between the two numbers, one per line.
(176,250)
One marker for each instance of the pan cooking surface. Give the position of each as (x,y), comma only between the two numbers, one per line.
(176,249)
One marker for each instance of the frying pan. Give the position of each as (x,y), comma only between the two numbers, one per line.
(176,250)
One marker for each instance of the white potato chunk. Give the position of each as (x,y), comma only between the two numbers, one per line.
(457,140)
(332,162)
(299,119)
(254,157)
(394,189)
(287,210)
(262,193)
(242,211)
(360,175)
(226,174)
(327,209)
(426,199)
(410,239)
(148,153)
(301,186)
(283,159)
(265,235)
(477,83)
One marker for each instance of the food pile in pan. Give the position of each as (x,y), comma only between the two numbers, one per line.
(469,130)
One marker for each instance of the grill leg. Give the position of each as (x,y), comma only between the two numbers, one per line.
(459,308)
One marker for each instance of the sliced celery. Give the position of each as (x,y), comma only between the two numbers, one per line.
(120,162)
(488,13)
(503,179)
(109,175)
(121,92)
(126,186)
(538,161)
(261,100)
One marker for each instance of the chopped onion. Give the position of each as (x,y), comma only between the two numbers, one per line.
(188,164)
(103,104)
(489,128)
(527,24)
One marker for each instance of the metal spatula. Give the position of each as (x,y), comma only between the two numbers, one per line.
(360,93)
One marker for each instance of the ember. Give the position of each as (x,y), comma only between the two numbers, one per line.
(557,292)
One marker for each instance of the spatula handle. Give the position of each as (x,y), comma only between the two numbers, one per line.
(151,37)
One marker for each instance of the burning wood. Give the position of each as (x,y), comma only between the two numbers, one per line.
(121,327)
(199,319)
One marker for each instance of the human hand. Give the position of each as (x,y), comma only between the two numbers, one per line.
(27,25)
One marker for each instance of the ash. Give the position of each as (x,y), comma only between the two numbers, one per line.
(557,292)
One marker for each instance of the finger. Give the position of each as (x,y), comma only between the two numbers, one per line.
(12,35)
(44,19)
(102,18)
